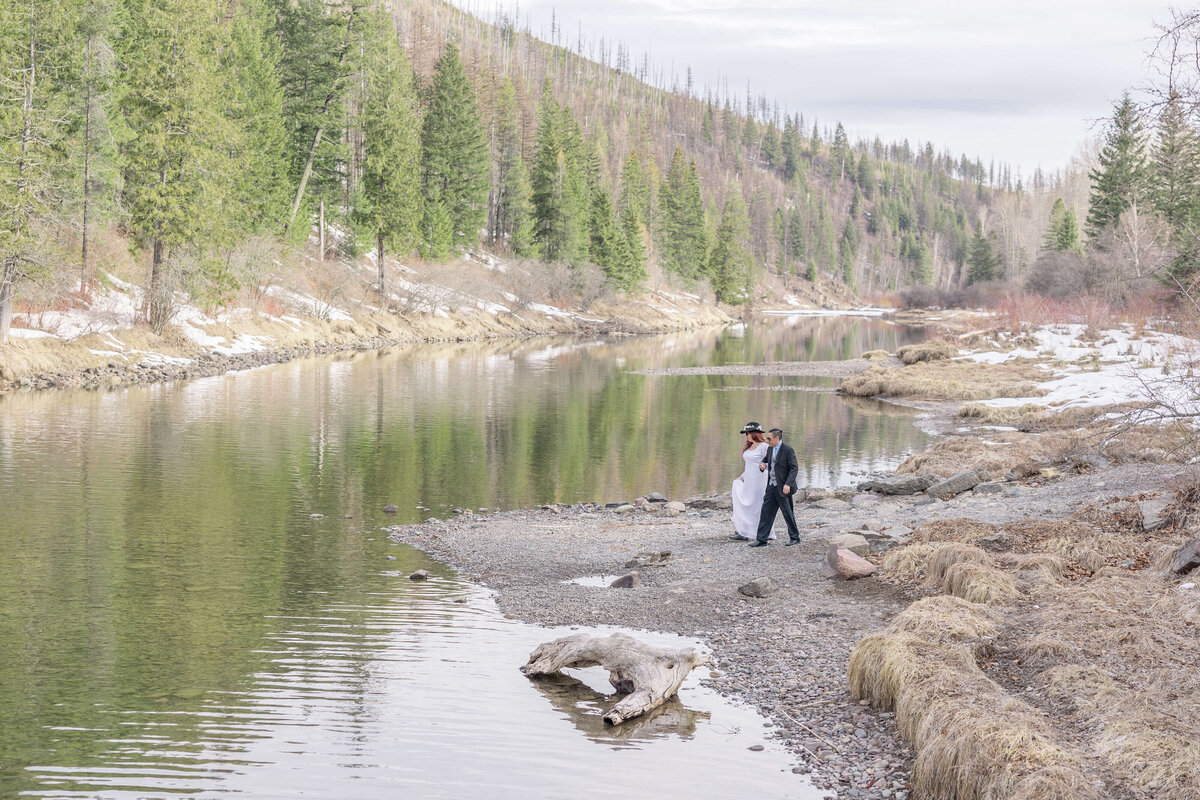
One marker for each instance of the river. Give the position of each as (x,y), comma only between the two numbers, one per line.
(196,598)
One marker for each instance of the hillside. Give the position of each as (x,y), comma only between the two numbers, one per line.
(346,146)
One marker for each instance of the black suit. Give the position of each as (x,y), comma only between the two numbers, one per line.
(786,470)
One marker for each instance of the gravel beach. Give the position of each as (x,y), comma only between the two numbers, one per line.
(787,653)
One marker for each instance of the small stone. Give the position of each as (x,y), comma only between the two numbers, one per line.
(625,509)
(391,508)
(389,558)
(316,516)
(649,558)
(419,575)
(655,497)
(1155,513)
(675,506)
(631,581)
(759,587)
(832,504)
(1187,558)
(756,748)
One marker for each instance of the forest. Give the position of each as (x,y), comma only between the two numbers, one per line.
(209,144)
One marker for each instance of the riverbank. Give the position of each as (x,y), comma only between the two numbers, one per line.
(104,346)
(1031,626)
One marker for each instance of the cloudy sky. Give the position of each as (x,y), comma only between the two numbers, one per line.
(1019,80)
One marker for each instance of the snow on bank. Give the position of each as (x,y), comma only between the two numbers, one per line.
(866,311)
(1121,366)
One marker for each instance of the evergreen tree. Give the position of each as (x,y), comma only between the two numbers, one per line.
(848,252)
(634,197)
(604,235)
(319,52)
(253,59)
(839,152)
(730,264)
(982,264)
(390,198)
(1062,233)
(561,200)
(178,165)
(683,239)
(34,46)
(454,151)
(512,215)
(1120,179)
(1175,171)
(437,231)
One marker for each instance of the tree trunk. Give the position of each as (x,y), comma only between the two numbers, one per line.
(647,675)
(382,278)
(6,301)
(312,154)
(321,226)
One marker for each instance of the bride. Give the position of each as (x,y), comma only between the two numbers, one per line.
(748,488)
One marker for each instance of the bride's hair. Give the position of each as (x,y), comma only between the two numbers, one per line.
(753,438)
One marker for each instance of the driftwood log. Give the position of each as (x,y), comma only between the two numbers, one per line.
(647,675)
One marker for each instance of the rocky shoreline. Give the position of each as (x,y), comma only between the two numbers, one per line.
(786,653)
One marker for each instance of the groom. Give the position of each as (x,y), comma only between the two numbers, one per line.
(782,469)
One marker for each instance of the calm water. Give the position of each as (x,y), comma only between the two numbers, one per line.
(174,622)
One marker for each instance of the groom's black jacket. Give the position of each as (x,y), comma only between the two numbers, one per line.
(787,469)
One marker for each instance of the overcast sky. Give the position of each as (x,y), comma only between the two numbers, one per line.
(1018,80)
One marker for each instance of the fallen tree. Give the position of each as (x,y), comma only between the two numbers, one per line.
(646,674)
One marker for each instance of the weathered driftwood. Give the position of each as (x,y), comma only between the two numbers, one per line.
(647,675)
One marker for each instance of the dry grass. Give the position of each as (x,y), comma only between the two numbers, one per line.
(947,380)
(947,555)
(1006,454)
(1047,566)
(932,350)
(906,563)
(973,741)
(956,529)
(1030,417)
(978,583)
(877,355)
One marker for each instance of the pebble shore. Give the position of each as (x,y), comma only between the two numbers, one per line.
(785,654)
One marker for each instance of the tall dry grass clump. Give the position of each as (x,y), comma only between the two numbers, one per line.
(947,380)
(906,563)
(955,529)
(972,740)
(948,555)
(977,583)
(932,350)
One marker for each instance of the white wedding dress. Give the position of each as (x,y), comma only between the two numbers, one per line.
(748,493)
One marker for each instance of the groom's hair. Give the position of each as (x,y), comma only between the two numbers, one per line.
(776,433)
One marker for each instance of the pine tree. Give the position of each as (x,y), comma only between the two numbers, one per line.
(512,215)
(178,165)
(1062,232)
(437,231)
(1175,171)
(390,198)
(319,53)
(982,264)
(730,264)
(683,239)
(634,197)
(561,197)
(604,235)
(34,42)
(256,108)
(1120,179)
(454,151)
(848,252)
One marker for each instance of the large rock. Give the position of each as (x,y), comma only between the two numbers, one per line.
(1154,512)
(1187,558)
(957,483)
(649,558)
(853,542)
(843,565)
(631,581)
(995,542)
(673,508)
(655,497)
(627,508)
(759,587)
(710,503)
(898,484)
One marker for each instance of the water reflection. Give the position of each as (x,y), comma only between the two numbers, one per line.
(585,707)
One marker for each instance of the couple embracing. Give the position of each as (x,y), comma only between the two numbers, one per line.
(766,486)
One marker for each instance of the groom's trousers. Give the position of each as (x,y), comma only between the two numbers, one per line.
(774,501)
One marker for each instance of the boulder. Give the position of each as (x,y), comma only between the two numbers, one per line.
(1187,558)
(1154,512)
(649,558)
(899,531)
(957,483)
(625,509)
(675,507)
(710,503)
(898,484)
(853,542)
(391,508)
(759,587)
(843,565)
(631,581)
(655,497)
(419,575)
(991,487)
